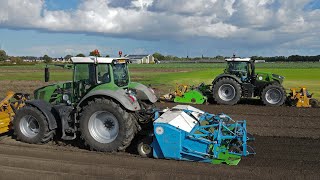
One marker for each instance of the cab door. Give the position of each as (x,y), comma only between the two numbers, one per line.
(84,78)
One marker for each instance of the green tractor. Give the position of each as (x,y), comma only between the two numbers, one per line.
(101,106)
(241,80)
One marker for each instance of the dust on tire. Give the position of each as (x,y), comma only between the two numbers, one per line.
(237,90)
(278,88)
(44,134)
(125,120)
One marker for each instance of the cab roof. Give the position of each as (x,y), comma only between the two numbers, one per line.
(239,59)
(92,59)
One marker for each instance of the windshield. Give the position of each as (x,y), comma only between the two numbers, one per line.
(237,66)
(120,74)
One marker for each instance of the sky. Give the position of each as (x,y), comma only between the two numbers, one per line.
(172,27)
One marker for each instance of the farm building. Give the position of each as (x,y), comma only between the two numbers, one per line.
(141,59)
(260,61)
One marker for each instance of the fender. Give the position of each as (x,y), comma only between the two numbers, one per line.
(143,92)
(47,110)
(226,75)
(119,95)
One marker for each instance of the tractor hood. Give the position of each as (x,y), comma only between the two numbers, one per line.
(269,77)
(45,93)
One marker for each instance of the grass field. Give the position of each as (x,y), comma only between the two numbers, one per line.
(162,76)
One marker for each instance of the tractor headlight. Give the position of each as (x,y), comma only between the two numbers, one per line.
(277,76)
(131,91)
(65,97)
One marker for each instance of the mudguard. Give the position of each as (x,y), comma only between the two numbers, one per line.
(47,110)
(227,75)
(143,92)
(119,95)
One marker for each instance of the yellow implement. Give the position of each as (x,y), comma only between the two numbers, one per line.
(8,107)
(300,97)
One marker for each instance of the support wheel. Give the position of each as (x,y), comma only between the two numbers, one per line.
(144,147)
(106,126)
(273,95)
(31,126)
(314,103)
(227,91)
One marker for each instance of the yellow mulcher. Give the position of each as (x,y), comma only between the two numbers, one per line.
(8,106)
(300,97)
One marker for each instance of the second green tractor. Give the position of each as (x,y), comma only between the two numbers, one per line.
(241,80)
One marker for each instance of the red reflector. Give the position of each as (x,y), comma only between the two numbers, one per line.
(133,99)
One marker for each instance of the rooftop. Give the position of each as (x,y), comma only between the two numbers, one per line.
(239,59)
(92,59)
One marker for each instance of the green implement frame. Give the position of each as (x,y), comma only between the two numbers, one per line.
(186,94)
(191,96)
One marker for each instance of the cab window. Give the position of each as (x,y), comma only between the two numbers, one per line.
(84,72)
(103,73)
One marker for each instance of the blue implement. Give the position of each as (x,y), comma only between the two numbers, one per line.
(187,133)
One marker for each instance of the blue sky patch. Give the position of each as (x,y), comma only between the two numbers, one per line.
(61,4)
(314,4)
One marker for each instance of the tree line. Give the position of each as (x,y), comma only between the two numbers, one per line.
(292,58)
(160,57)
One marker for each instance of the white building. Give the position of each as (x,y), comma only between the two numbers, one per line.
(141,59)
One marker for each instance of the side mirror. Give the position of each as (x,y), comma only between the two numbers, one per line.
(46,74)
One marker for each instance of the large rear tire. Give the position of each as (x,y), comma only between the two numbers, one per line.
(31,126)
(227,91)
(106,126)
(273,95)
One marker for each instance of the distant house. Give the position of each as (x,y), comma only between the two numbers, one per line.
(40,60)
(141,59)
(27,60)
(260,61)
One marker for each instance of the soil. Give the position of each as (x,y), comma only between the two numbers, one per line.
(287,146)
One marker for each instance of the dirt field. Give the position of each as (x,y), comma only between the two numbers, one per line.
(287,145)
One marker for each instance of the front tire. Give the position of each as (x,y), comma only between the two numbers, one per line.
(31,126)
(273,95)
(227,91)
(106,126)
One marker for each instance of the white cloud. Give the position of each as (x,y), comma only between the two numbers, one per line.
(142,4)
(3,11)
(244,21)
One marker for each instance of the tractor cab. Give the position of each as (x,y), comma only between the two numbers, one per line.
(242,68)
(90,72)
